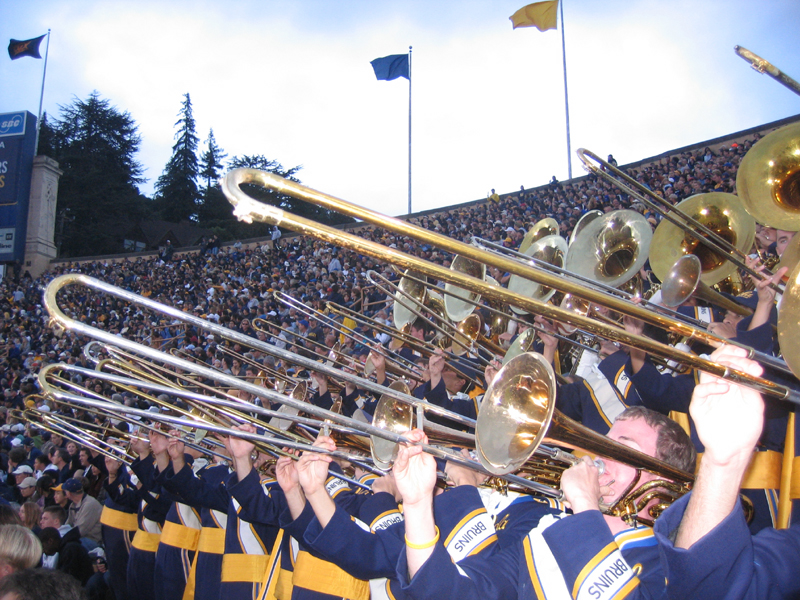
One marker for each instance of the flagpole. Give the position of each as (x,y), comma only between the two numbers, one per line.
(566,94)
(41,96)
(409,130)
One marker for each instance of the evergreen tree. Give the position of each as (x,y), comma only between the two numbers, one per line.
(95,145)
(214,206)
(211,161)
(177,196)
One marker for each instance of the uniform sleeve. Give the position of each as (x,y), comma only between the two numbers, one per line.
(196,492)
(360,553)
(728,563)
(257,504)
(487,575)
(592,563)
(568,400)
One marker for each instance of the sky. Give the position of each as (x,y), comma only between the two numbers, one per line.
(292,80)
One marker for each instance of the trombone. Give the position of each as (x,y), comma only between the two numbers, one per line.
(188,419)
(349,333)
(248,210)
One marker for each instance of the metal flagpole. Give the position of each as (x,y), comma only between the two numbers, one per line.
(41,96)
(566,94)
(409,130)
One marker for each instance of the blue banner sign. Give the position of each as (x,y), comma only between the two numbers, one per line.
(17,139)
(12,124)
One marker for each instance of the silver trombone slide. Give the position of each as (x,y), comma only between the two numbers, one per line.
(80,437)
(241,406)
(58,318)
(467,438)
(187,442)
(327,321)
(169,419)
(259,438)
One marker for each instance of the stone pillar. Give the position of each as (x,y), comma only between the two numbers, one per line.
(40,246)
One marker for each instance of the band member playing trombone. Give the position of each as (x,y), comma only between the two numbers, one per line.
(583,554)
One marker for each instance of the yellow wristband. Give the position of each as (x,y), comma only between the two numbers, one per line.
(425,545)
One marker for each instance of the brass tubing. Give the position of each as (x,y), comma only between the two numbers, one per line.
(247,209)
(689,225)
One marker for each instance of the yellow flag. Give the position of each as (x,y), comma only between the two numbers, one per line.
(542,15)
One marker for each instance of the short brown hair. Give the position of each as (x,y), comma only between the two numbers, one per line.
(673,445)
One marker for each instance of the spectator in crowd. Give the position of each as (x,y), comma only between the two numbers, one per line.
(84,512)
(40,584)
(19,549)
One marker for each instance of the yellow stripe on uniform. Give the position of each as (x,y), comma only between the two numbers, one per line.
(118,519)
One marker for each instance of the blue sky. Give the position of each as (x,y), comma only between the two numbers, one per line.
(292,80)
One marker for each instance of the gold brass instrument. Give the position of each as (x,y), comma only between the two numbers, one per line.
(587,218)
(518,414)
(459,303)
(247,209)
(403,314)
(192,420)
(692,227)
(768,179)
(59,320)
(54,425)
(685,280)
(612,248)
(620,291)
(550,249)
(722,213)
(396,365)
(766,67)
(544,228)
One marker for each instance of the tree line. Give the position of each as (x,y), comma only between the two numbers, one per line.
(96,144)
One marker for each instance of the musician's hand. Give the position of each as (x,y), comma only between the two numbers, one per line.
(312,468)
(548,340)
(239,448)
(491,370)
(415,471)
(387,484)
(140,446)
(724,329)
(112,466)
(436,364)
(581,486)
(175,446)
(728,417)
(464,475)
(378,359)
(158,442)
(765,293)
(286,474)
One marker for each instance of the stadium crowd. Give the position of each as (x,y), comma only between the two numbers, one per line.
(76,511)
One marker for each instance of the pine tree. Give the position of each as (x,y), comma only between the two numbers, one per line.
(213,207)
(95,145)
(211,161)
(177,196)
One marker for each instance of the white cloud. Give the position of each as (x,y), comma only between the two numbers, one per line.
(292,81)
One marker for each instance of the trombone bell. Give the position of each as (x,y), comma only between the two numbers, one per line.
(768,179)
(515,414)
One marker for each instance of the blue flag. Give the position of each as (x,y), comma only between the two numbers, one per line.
(391,67)
(18,49)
